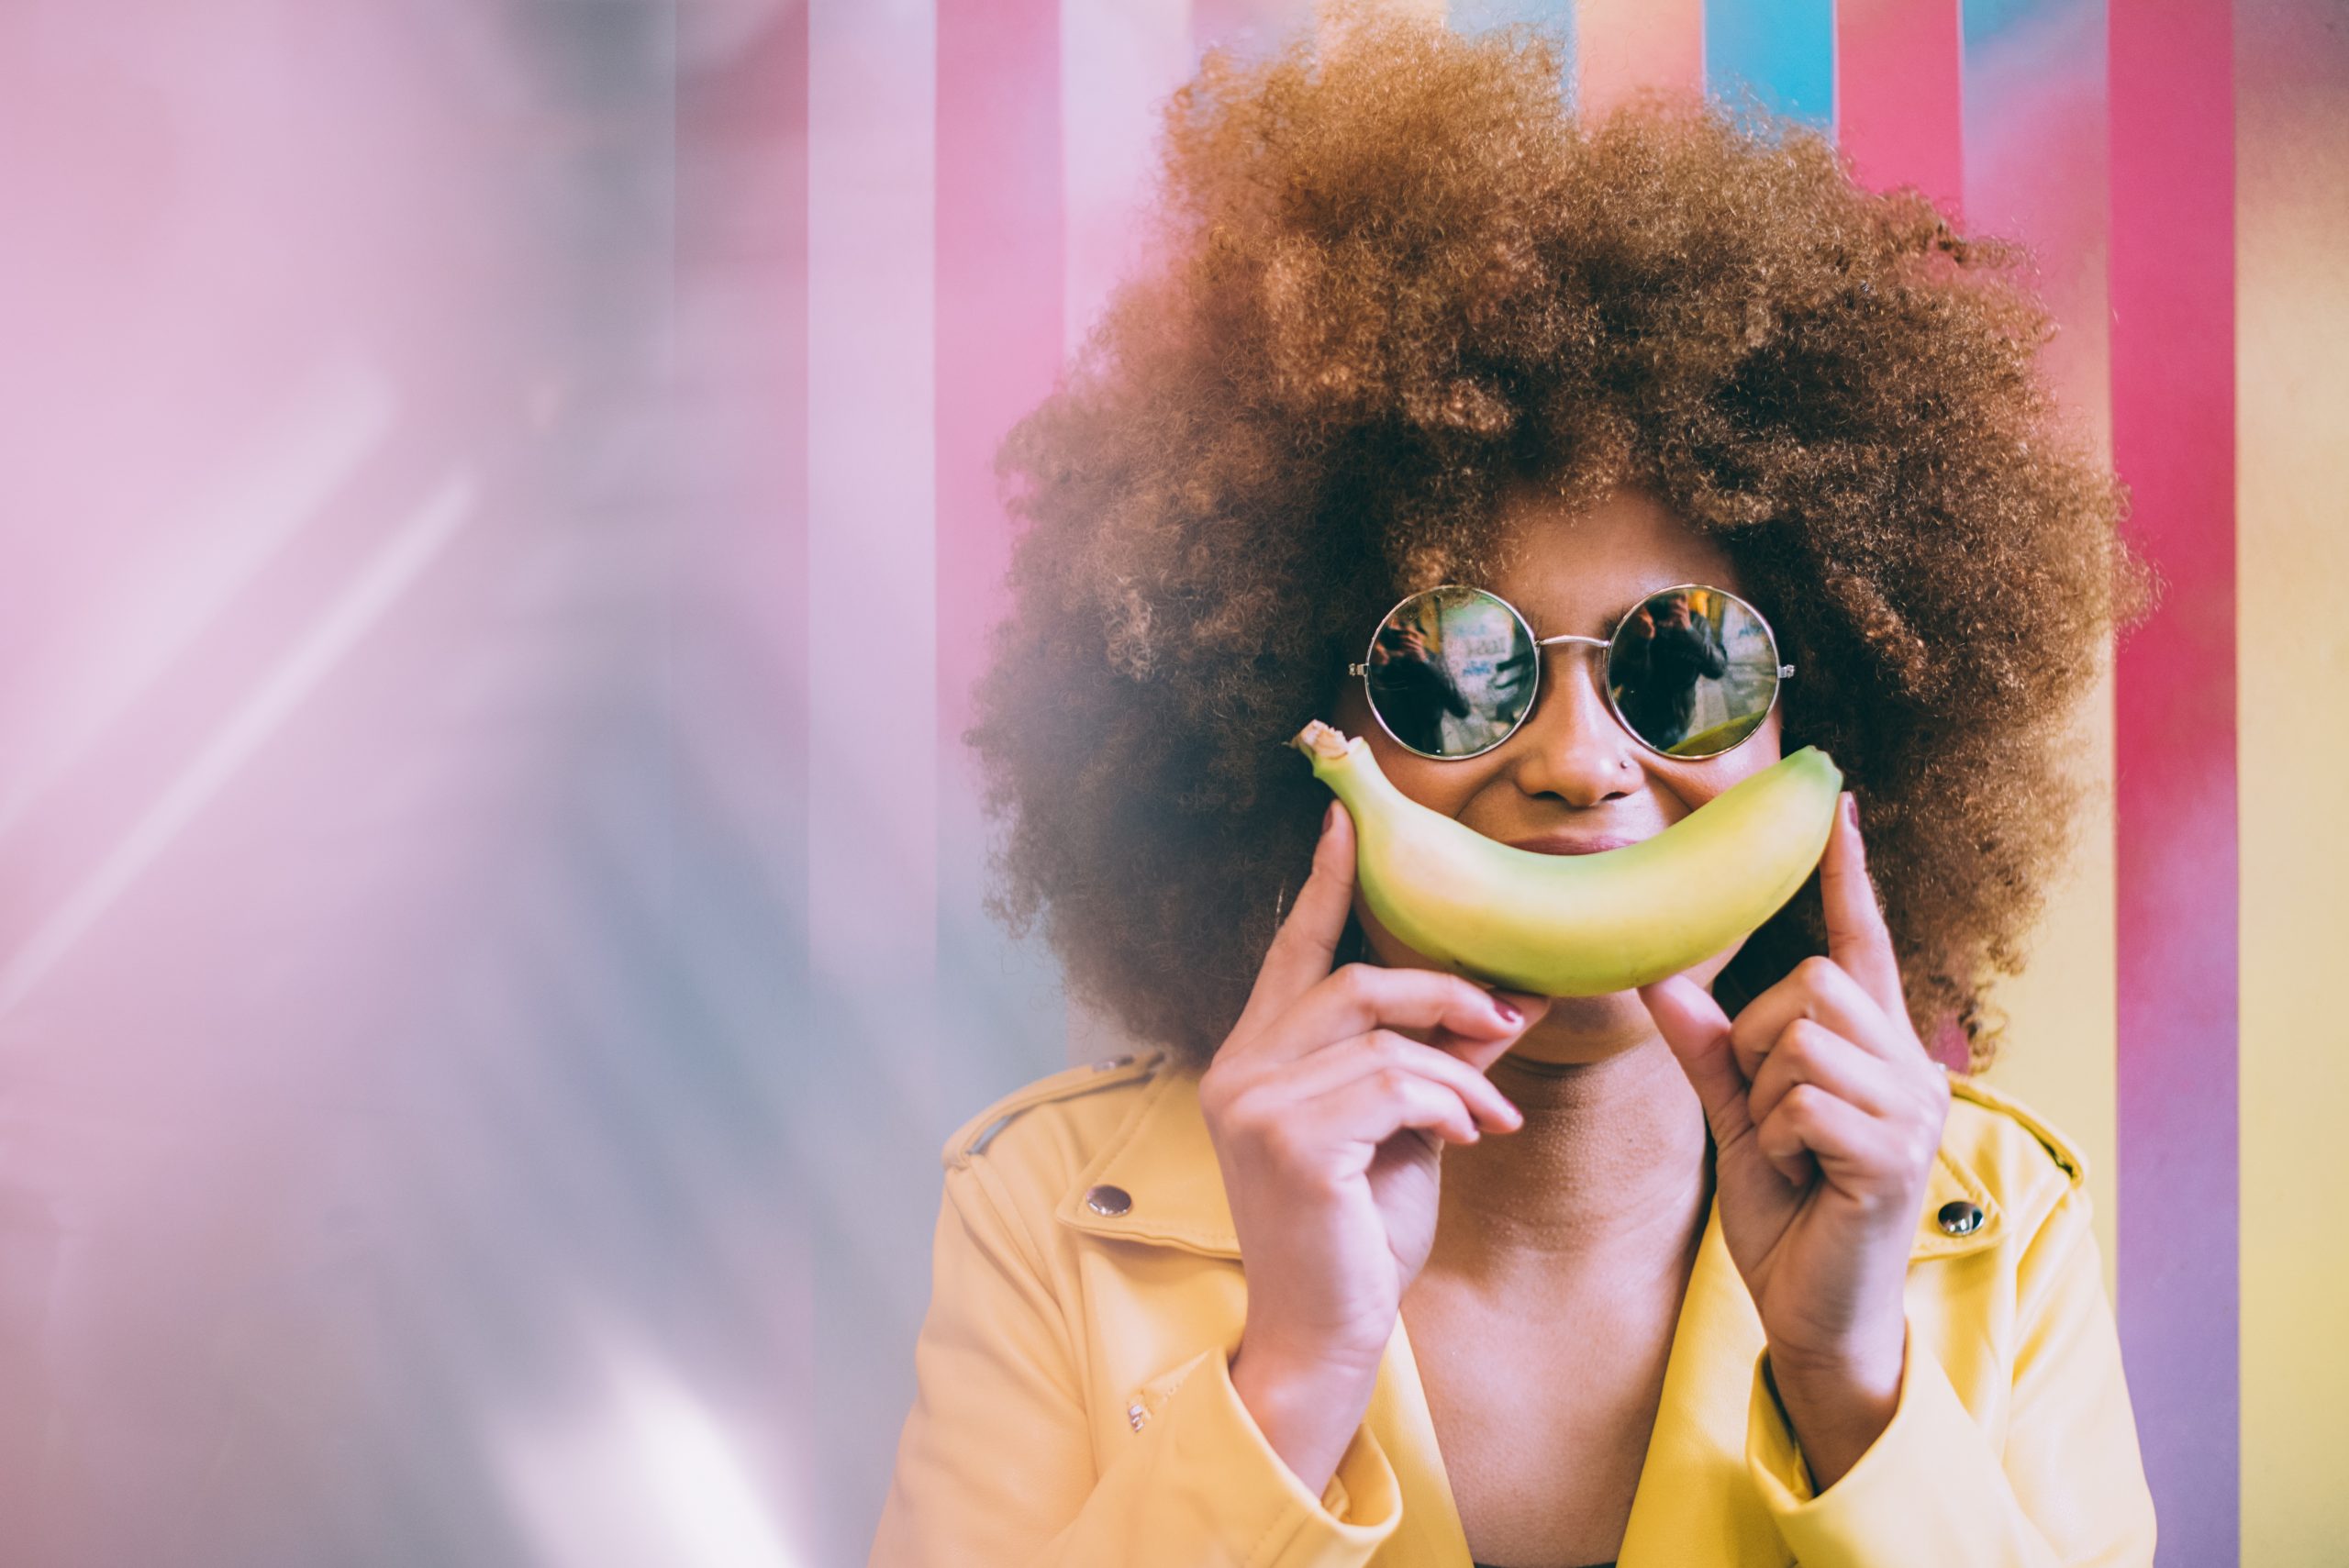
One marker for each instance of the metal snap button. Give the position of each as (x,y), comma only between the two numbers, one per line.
(1113,1063)
(1959,1218)
(1110,1200)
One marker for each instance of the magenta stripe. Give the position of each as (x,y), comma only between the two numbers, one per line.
(2173,410)
(1898,98)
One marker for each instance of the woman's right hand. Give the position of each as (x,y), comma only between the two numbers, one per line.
(1328,1123)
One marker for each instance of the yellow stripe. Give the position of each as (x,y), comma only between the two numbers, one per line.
(2292,563)
(2062,1035)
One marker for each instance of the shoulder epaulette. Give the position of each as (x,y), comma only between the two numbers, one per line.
(972,1136)
(2060,1148)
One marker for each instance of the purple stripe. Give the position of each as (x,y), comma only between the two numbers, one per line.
(2173,408)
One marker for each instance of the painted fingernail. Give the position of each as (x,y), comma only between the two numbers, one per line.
(1850,808)
(1330,817)
(1508,1015)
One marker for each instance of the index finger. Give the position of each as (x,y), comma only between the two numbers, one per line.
(1857,937)
(1361,998)
(1305,949)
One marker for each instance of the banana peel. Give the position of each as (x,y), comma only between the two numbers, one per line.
(1580,924)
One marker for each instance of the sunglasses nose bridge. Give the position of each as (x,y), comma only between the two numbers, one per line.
(1576,741)
(1564,642)
(1568,640)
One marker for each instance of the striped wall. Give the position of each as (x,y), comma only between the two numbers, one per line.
(970,171)
(495,535)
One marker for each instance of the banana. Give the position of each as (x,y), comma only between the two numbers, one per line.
(1580,924)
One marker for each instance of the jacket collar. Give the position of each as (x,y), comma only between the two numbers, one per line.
(1694,1491)
(1163,1165)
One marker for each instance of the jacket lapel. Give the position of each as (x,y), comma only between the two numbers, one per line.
(1164,1160)
(1696,1502)
(1164,1163)
(1430,1531)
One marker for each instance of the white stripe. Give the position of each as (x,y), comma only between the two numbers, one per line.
(871,630)
(1120,59)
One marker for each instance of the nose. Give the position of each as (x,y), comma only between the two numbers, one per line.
(1571,745)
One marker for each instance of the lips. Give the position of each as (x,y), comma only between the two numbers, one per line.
(1564,843)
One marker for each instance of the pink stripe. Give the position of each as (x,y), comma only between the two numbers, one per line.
(999,302)
(1897,95)
(871,624)
(1621,46)
(2172,405)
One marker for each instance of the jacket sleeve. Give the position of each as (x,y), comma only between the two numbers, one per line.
(996,1465)
(1933,1491)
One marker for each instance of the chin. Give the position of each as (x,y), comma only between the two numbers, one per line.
(1580,1031)
(1603,1014)
(1565,1009)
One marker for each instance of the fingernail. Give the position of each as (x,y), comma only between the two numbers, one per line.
(1850,808)
(1508,1015)
(1330,817)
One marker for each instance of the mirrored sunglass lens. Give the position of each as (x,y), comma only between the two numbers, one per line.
(1693,672)
(1451,671)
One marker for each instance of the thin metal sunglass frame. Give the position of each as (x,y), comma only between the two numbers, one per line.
(1785,671)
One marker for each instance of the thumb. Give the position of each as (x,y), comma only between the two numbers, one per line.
(1696,1029)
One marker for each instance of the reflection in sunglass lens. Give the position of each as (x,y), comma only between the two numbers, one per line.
(1451,672)
(1693,672)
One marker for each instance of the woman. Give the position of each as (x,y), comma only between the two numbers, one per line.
(1364,1263)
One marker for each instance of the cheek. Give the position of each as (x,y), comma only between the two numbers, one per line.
(1352,712)
(1695,787)
(1440,786)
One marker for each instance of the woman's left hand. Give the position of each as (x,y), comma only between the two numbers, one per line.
(1826,1113)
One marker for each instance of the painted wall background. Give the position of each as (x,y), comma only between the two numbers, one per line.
(493,535)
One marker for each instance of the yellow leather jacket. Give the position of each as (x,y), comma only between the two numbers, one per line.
(1075,1403)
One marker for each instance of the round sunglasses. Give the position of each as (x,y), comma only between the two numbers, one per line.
(1692,671)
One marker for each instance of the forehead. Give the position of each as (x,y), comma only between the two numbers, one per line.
(1579,571)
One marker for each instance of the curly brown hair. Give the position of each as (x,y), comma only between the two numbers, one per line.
(1395,278)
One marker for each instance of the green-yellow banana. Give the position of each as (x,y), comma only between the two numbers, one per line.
(1580,924)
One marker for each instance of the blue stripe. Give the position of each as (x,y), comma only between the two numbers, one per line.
(1781,52)
(1556,18)
(1985,19)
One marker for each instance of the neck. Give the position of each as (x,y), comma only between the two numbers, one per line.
(1610,1177)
